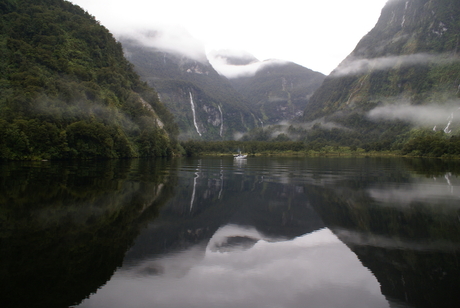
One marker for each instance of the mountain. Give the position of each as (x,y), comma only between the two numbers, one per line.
(68,92)
(277,90)
(403,74)
(203,102)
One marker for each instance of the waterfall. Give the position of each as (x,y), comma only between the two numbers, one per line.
(221,121)
(450,118)
(194,114)
(404,16)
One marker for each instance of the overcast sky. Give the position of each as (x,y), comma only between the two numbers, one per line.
(315,34)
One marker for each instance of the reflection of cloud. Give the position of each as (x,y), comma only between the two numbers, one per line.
(426,192)
(316,269)
(353,66)
(223,237)
(365,239)
(170,39)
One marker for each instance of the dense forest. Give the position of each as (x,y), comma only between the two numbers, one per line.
(417,143)
(68,92)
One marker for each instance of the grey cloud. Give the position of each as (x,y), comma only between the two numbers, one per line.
(353,66)
(221,64)
(170,39)
(427,115)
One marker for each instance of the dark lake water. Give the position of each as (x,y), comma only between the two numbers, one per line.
(214,232)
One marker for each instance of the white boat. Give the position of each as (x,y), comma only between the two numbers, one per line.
(240,156)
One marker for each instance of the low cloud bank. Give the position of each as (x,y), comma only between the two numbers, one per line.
(171,39)
(223,63)
(353,66)
(428,115)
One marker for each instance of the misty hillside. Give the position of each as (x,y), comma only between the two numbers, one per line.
(403,75)
(277,91)
(68,92)
(204,104)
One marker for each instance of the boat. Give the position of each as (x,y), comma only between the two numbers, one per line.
(239,155)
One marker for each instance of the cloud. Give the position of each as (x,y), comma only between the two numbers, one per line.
(171,39)
(224,63)
(427,115)
(233,57)
(353,66)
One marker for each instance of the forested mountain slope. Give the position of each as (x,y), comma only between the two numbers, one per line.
(68,92)
(404,74)
(278,91)
(204,103)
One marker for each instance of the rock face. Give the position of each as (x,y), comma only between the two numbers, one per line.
(407,65)
(203,102)
(278,91)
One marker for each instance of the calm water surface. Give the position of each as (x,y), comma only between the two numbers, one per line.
(214,232)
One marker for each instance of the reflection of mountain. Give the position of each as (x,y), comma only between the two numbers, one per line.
(412,247)
(314,270)
(278,211)
(65,228)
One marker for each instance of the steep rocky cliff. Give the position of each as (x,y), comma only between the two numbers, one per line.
(204,103)
(405,72)
(278,91)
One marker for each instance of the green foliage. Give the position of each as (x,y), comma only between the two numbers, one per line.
(67,90)
(194,148)
(433,145)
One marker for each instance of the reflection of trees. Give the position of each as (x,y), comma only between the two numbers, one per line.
(66,227)
(412,250)
(433,167)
